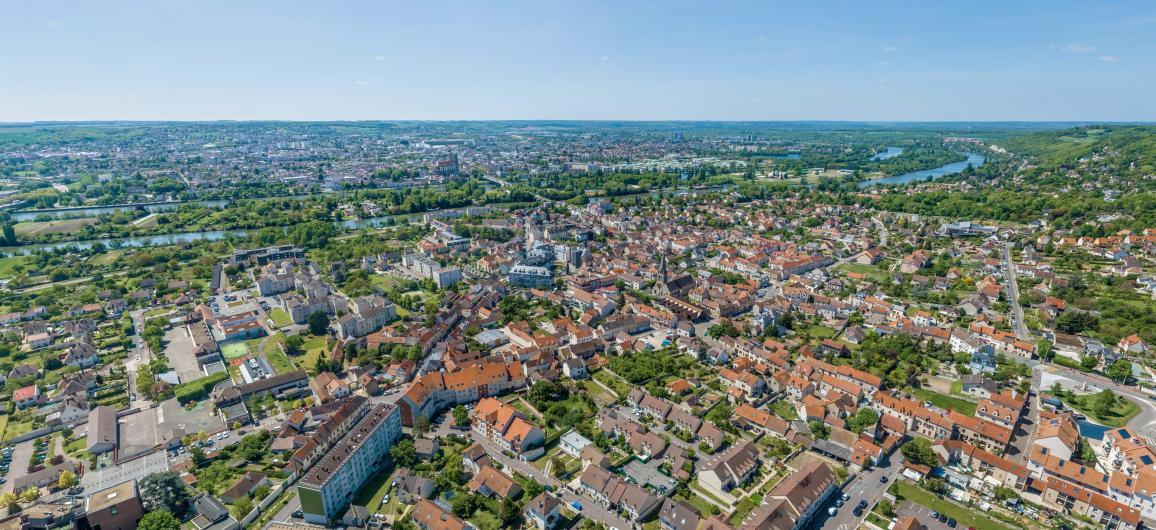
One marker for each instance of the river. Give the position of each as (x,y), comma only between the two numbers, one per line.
(189,237)
(891,152)
(973,159)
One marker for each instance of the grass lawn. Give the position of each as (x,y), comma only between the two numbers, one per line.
(957,387)
(965,516)
(7,264)
(617,384)
(314,346)
(783,409)
(878,520)
(374,490)
(872,272)
(77,446)
(705,508)
(821,332)
(234,350)
(16,429)
(280,317)
(744,508)
(959,405)
(3,423)
(1118,416)
(281,363)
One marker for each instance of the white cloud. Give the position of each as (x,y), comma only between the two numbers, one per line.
(1078,48)
(53,23)
(605,58)
(756,100)
(361,83)
(881,80)
(890,49)
(1109,58)
(761,38)
(379,58)
(884,63)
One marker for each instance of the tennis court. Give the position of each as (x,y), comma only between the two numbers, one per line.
(234,350)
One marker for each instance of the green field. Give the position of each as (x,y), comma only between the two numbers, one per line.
(1118,416)
(314,347)
(279,361)
(872,272)
(821,332)
(280,317)
(234,350)
(7,264)
(959,405)
(965,516)
(783,409)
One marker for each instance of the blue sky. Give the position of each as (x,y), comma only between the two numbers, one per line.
(763,60)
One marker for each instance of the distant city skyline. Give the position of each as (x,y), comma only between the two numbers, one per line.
(598,60)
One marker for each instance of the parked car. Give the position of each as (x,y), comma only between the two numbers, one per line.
(576,505)
(951,523)
(298,514)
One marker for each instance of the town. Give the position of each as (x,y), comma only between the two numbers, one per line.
(540,329)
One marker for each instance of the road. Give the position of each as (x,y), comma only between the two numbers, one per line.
(1013,294)
(866,486)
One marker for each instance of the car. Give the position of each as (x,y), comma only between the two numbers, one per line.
(385,498)
(858,512)
(576,505)
(832,511)
(883,479)
(846,497)
(297,514)
(934,514)
(943,518)
(951,522)
(838,503)
(862,503)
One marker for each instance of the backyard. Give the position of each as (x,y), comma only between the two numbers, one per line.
(959,405)
(965,516)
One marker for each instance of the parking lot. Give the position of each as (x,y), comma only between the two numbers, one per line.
(180,352)
(112,475)
(923,514)
(648,473)
(201,418)
(21,455)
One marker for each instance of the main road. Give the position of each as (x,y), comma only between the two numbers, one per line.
(1013,295)
(865,486)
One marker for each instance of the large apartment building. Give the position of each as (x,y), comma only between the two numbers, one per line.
(331,484)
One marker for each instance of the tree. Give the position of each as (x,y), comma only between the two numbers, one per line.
(318,323)
(420,424)
(1120,370)
(864,418)
(451,475)
(30,495)
(1103,402)
(294,344)
(887,508)
(198,455)
(918,451)
(509,512)
(164,491)
(1089,362)
(242,507)
(819,430)
(67,480)
(403,453)
(461,416)
(159,520)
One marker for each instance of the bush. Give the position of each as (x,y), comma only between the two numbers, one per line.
(198,389)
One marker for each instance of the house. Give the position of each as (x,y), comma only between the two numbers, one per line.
(793,503)
(245,486)
(411,488)
(572,443)
(507,427)
(614,493)
(731,468)
(27,396)
(489,482)
(978,386)
(677,515)
(543,511)
(429,516)
(115,508)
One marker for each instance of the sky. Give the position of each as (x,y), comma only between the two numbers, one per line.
(582,59)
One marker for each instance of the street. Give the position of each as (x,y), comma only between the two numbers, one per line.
(1013,294)
(865,486)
